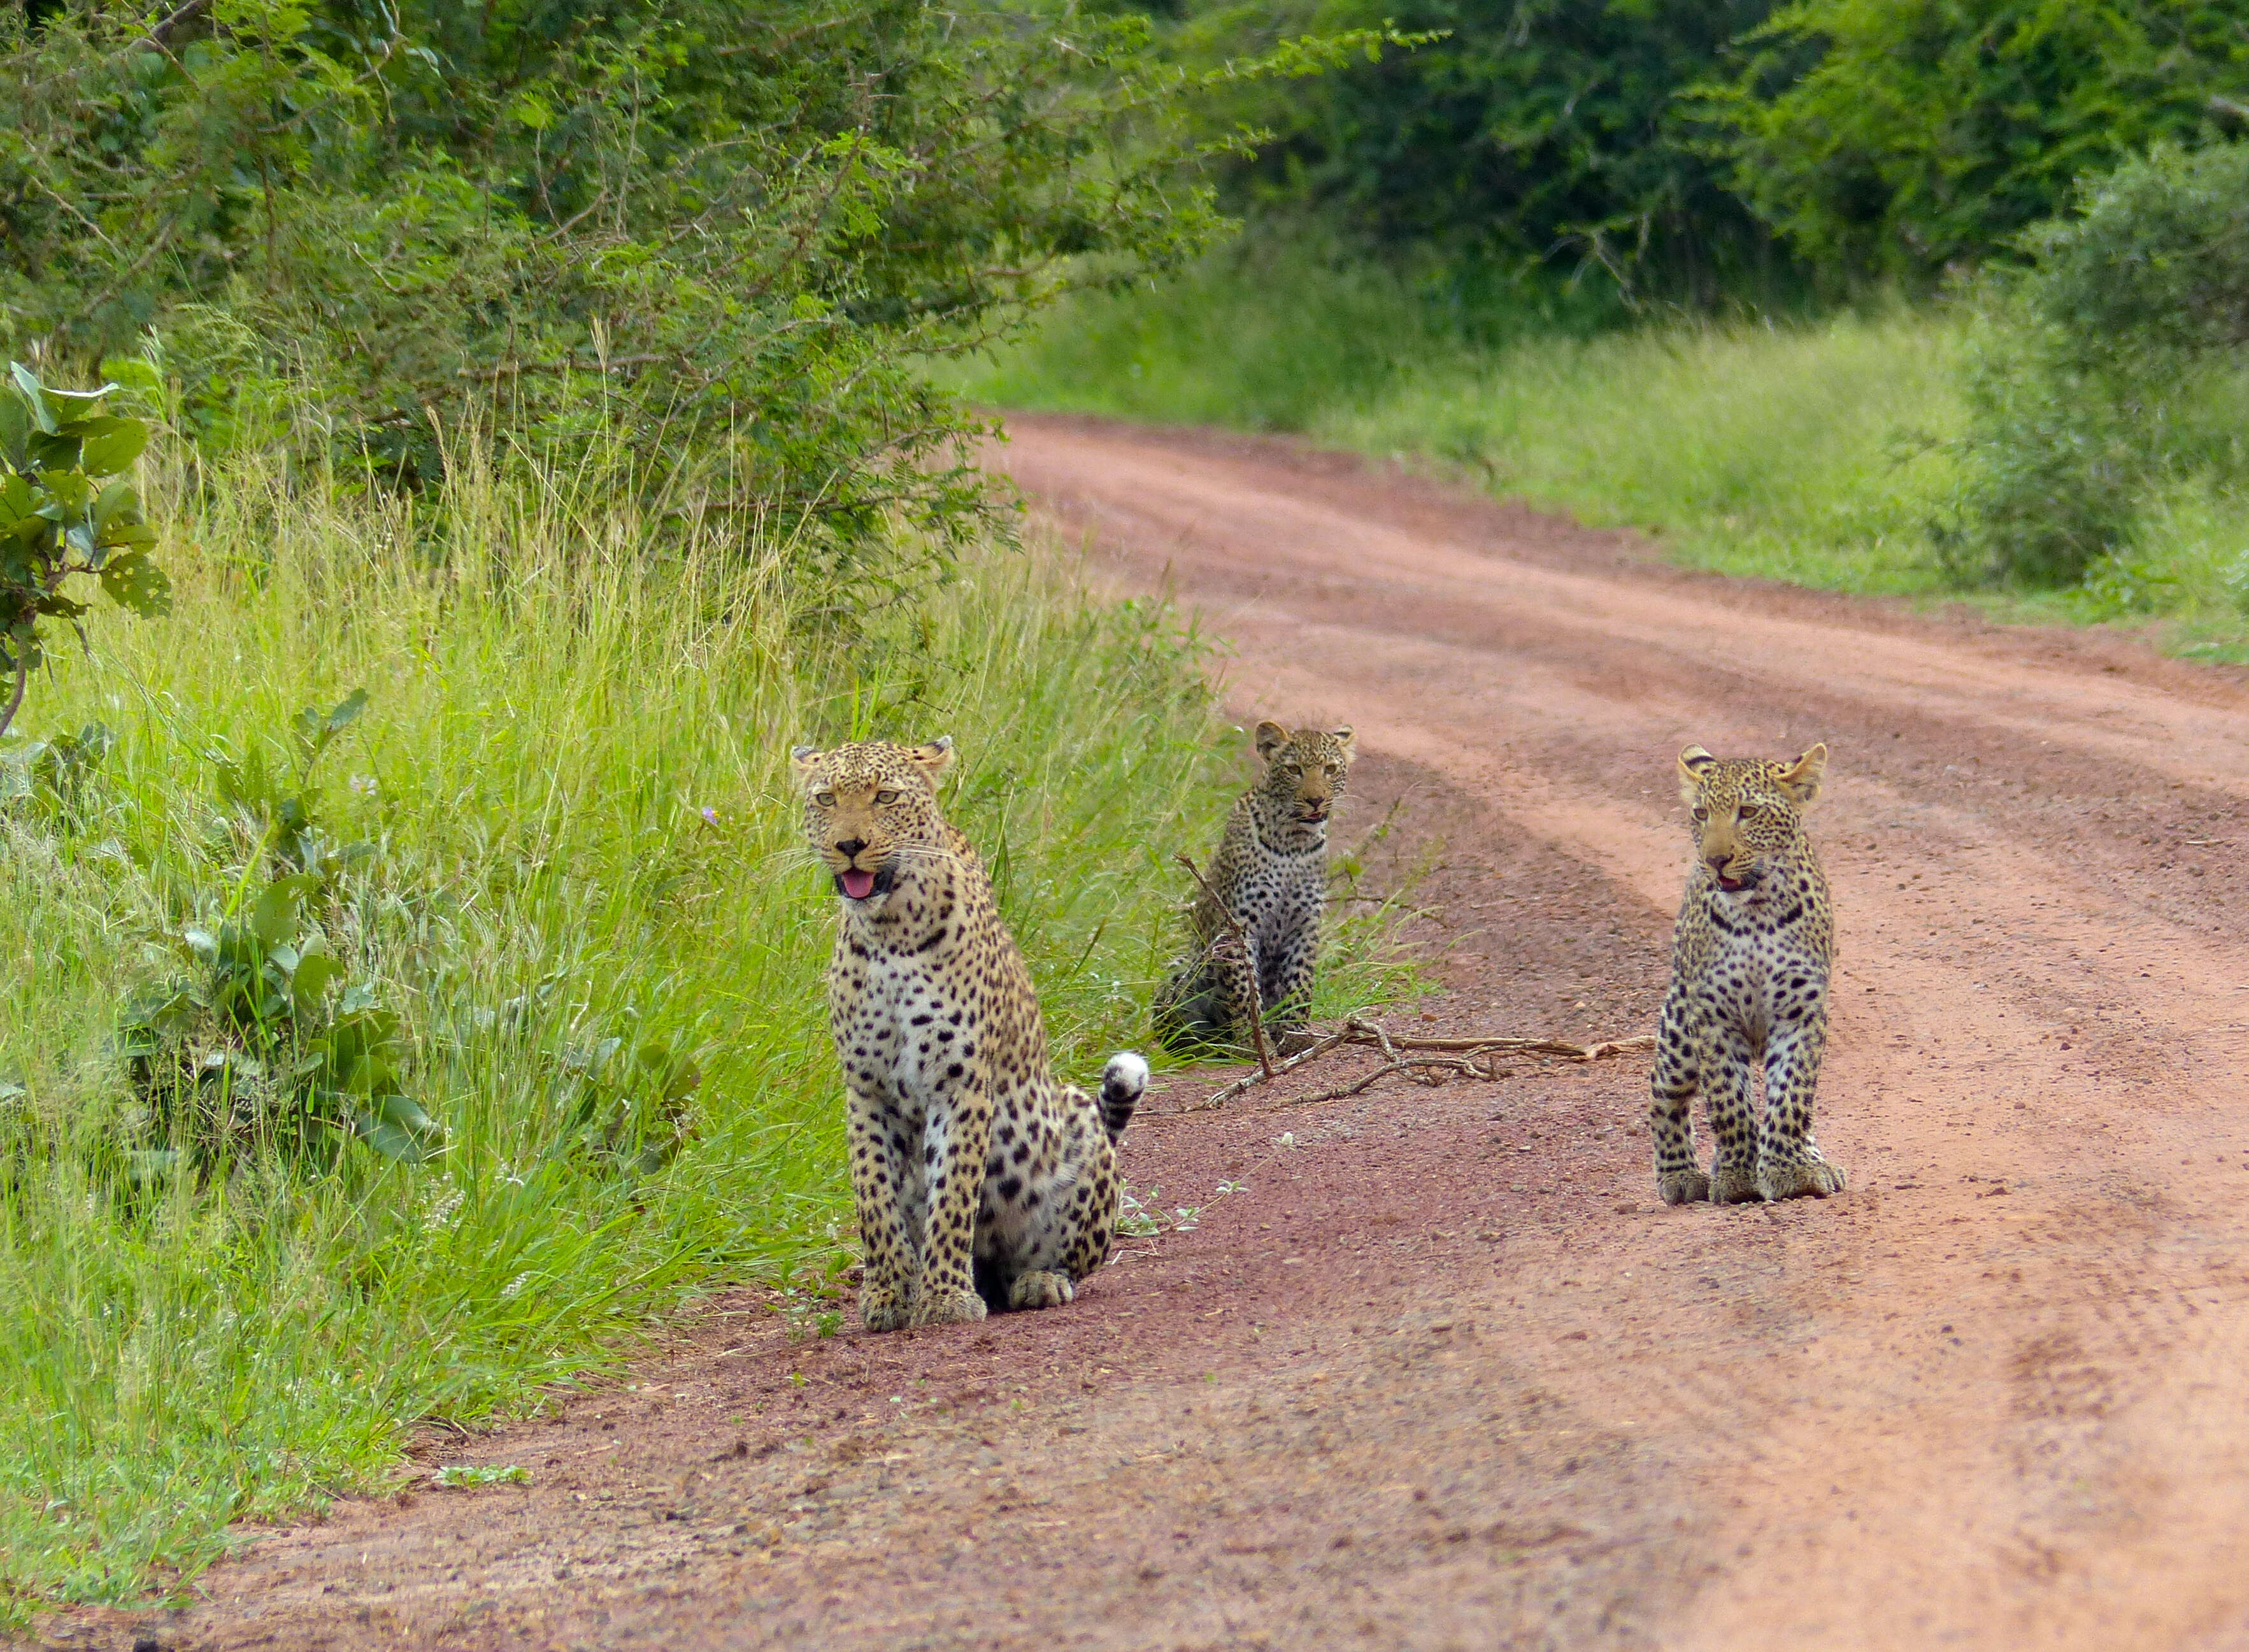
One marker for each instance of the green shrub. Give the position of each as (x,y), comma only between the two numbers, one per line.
(695,226)
(1898,140)
(2108,369)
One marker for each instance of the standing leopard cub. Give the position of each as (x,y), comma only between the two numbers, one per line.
(981,1181)
(1749,965)
(1270,876)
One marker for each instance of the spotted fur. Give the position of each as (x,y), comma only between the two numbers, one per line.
(1749,965)
(980,1181)
(1270,876)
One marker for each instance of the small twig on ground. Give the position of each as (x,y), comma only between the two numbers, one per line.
(1457,1054)
(1241,939)
(1219,1098)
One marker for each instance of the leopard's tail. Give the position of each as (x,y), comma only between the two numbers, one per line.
(1122,1082)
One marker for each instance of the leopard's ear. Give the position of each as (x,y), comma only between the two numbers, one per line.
(807,758)
(1694,763)
(1271,737)
(1343,738)
(1802,779)
(934,758)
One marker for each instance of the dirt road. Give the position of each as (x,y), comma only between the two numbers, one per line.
(1442,1373)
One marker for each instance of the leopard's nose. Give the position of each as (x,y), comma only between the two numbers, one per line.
(850,847)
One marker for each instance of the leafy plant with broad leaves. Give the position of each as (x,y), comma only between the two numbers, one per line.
(68,510)
(259,1040)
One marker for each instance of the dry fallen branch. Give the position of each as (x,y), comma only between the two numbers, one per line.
(1448,1055)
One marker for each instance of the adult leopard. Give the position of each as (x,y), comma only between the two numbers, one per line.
(1751,959)
(981,1182)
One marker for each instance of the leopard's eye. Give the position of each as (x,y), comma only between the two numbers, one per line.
(1702,815)
(826,800)
(1750,811)
(886,796)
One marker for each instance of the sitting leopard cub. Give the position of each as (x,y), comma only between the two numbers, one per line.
(1750,964)
(981,1181)
(1270,876)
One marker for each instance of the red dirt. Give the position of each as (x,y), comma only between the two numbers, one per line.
(1444,1374)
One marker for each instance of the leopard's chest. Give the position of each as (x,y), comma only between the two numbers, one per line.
(1755,962)
(1276,896)
(904,1024)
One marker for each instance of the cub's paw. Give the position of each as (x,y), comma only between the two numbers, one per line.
(884,1310)
(1043,1290)
(947,1308)
(1795,1178)
(1734,1185)
(1294,1042)
(1683,1188)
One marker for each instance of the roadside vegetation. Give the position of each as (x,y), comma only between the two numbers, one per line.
(1938,301)
(451,455)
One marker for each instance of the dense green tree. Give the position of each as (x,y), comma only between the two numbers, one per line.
(729,226)
(1898,137)
(1542,133)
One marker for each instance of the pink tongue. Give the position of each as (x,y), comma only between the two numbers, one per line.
(858,885)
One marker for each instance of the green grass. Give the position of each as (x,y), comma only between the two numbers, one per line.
(574,765)
(1816,452)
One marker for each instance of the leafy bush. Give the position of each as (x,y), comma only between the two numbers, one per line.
(65,512)
(2100,373)
(1888,139)
(1545,135)
(262,1046)
(687,226)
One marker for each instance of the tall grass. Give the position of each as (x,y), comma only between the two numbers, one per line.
(1819,452)
(574,767)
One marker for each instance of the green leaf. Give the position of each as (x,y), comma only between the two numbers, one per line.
(133,581)
(273,921)
(68,489)
(316,976)
(15,430)
(346,710)
(114,451)
(55,452)
(34,395)
(397,1129)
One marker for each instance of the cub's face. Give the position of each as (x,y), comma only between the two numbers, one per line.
(1742,812)
(868,807)
(1305,774)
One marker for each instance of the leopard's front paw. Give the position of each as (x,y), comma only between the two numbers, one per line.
(947,1308)
(1734,1185)
(1045,1289)
(1795,1178)
(1683,1186)
(884,1308)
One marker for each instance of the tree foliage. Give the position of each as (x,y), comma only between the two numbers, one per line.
(1897,139)
(2094,363)
(730,224)
(68,515)
(1539,132)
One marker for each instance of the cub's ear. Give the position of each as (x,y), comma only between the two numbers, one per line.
(933,759)
(1271,737)
(1343,736)
(1801,779)
(807,758)
(1694,763)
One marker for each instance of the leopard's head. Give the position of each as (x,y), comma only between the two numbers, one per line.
(1304,775)
(1743,812)
(870,811)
